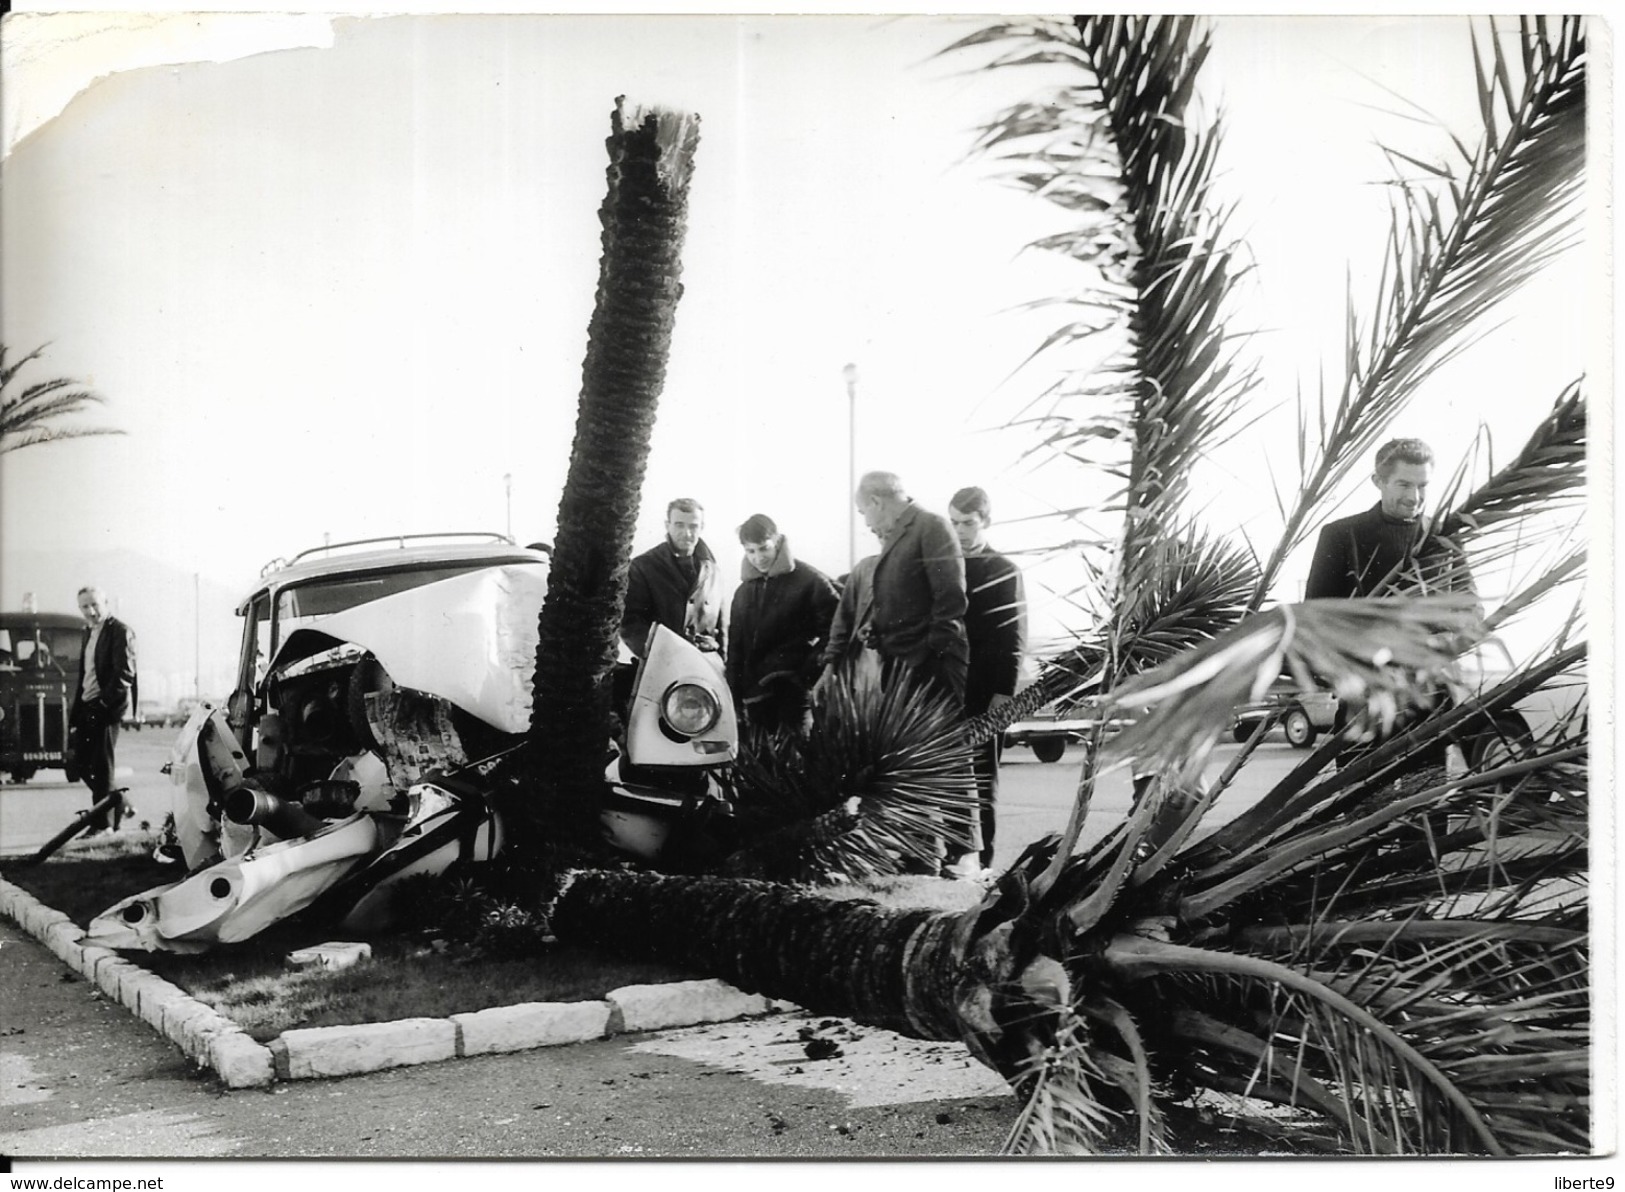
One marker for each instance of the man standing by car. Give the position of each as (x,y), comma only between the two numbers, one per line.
(106,687)
(675,584)
(996,626)
(917,610)
(777,626)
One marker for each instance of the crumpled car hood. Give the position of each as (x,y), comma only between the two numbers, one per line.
(470,639)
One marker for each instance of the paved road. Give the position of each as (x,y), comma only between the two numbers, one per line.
(32,813)
(79,1077)
(1034,796)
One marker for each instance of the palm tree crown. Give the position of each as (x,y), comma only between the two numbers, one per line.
(31,414)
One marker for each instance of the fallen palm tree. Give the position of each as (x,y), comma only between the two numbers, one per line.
(1396,950)
(1412,993)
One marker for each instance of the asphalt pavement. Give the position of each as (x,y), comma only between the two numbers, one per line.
(1034,796)
(81,1078)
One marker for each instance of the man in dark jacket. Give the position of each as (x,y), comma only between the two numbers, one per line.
(996,626)
(917,611)
(105,690)
(675,584)
(777,627)
(1388,548)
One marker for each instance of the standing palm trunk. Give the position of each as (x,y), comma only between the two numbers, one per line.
(628,341)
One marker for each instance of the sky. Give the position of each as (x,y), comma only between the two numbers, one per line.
(337,283)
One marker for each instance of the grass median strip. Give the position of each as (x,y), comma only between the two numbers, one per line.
(250,982)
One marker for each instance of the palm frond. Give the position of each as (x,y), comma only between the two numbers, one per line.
(1381,655)
(1506,210)
(1547,472)
(1429,1048)
(33,416)
(1180,590)
(884,778)
(1063,1111)
(1183,271)
(1124,153)
(1311,793)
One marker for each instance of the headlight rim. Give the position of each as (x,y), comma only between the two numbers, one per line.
(713,702)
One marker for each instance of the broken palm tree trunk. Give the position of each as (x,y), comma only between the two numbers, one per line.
(1329,958)
(644,217)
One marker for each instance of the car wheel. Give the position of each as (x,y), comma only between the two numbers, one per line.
(1049,749)
(1242,733)
(1300,730)
(1506,740)
(22,774)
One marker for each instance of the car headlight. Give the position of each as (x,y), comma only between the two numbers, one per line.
(689,708)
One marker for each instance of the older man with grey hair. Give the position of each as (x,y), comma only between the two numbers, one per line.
(917,596)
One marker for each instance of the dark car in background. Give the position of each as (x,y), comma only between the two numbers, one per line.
(39,665)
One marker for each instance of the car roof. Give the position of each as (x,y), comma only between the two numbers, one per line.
(344,560)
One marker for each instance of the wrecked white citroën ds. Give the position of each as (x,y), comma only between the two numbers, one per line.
(383,689)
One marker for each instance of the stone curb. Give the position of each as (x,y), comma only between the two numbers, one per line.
(212,1040)
(236,1059)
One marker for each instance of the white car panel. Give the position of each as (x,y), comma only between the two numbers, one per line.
(470,639)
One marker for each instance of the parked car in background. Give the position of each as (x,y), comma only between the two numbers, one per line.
(1048,732)
(39,664)
(1303,713)
(1559,707)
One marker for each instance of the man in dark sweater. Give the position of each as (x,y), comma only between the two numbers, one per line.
(996,624)
(1388,548)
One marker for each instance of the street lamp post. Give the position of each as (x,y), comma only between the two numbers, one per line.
(850,375)
(507,501)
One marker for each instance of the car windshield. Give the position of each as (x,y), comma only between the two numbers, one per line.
(64,645)
(37,648)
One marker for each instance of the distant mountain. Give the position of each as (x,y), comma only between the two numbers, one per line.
(183,623)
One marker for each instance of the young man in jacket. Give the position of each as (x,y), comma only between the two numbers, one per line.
(675,584)
(996,626)
(1389,547)
(777,627)
(105,690)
